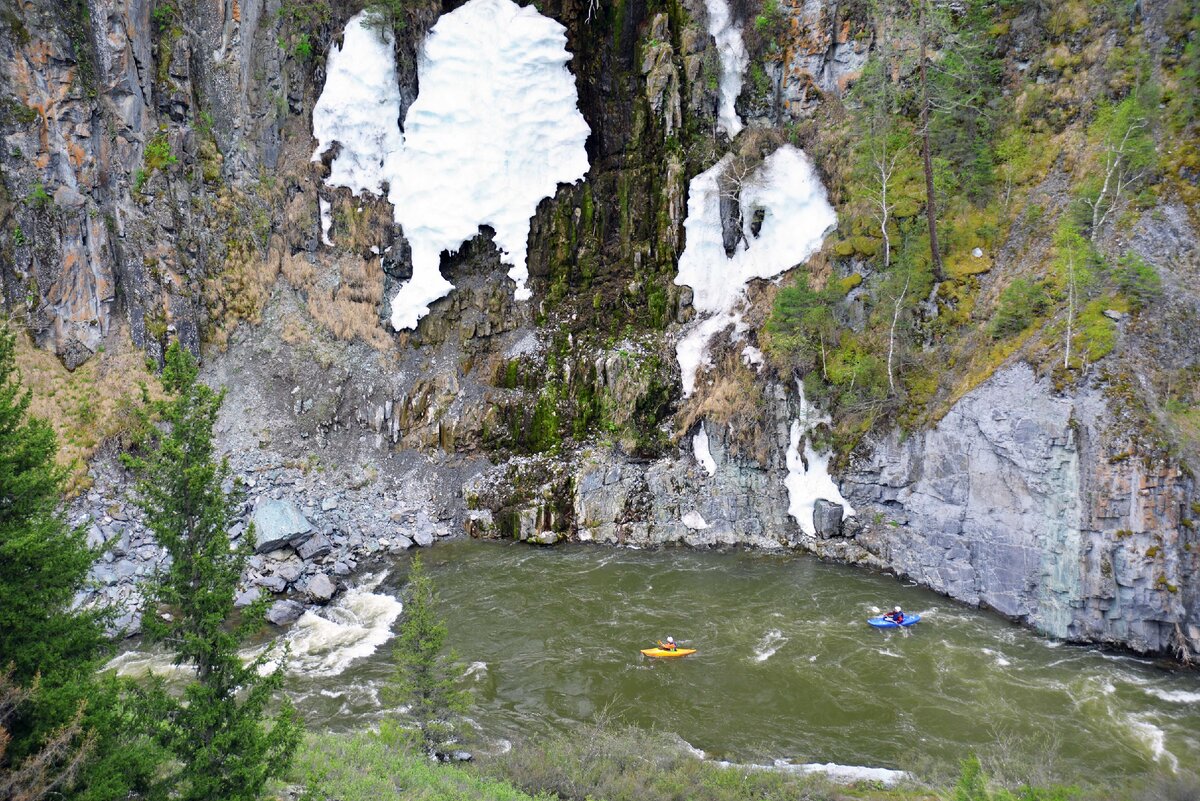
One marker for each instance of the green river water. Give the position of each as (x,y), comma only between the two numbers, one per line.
(786,668)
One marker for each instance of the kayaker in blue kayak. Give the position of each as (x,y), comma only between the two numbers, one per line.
(895,616)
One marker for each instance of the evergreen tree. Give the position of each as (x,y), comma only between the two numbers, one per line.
(426,678)
(49,652)
(220,733)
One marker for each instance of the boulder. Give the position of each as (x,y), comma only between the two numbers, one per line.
(246,597)
(282,613)
(290,571)
(315,546)
(321,588)
(827,518)
(423,538)
(272,583)
(278,523)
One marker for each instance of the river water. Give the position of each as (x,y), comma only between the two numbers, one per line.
(786,667)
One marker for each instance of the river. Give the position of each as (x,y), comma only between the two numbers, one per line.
(786,667)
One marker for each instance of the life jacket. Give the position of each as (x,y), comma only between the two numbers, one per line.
(668,646)
(896,616)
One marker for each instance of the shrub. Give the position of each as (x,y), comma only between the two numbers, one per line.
(1021,302)
(1138,281)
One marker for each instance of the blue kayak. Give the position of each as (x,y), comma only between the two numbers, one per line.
(882,623)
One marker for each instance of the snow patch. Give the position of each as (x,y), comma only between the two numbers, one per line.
(493,131)
(808,477)
(359,108)
(795,217)
(702,453)
(753,357)
(734,60)
(326,220)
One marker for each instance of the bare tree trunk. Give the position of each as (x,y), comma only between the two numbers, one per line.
(930,198)
(892,335)
(1070,310)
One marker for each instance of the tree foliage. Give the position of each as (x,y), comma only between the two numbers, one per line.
(1124,153)
(57,762)
(425,676)
(1021,302)
(226,744)
(50,652)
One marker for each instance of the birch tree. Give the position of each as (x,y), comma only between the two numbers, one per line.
(1126,155)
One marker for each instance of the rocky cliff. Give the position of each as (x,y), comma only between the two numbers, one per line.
(158,183)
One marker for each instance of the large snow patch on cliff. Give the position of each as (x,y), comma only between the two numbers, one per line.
(734,59)
(795,215)
(495,129)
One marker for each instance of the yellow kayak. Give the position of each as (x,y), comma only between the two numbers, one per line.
(664,653)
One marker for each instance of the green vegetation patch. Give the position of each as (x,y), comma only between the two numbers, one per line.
(368,767)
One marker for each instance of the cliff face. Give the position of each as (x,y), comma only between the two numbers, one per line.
(158,181)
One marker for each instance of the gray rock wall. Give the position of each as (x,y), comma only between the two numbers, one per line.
(1014,502)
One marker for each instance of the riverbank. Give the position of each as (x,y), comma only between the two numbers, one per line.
(632,765)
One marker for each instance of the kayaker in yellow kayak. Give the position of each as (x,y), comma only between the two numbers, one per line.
(668,649)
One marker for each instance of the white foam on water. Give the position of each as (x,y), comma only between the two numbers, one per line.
(795,217)
(327,641)
(1174,696)
(734,60)
(999,658)
(495,128)
(702,453)
(1155,739)
(849,773)
(137,664)
(477,669)
(769,645)
(845,774)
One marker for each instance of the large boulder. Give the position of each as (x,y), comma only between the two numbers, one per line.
(282,613)
(827,518)
(278,523)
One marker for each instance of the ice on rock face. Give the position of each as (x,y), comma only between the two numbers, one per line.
(808,477)
(326,209)
(795,217)
(494,129)
(734,60)
(702,452)
(359,108)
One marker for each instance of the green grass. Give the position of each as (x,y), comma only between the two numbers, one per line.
(617,764)
(603,763)
(370,767)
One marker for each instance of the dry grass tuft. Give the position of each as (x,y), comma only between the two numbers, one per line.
(240,291)
(351,309)
(87,407)
(734,399)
